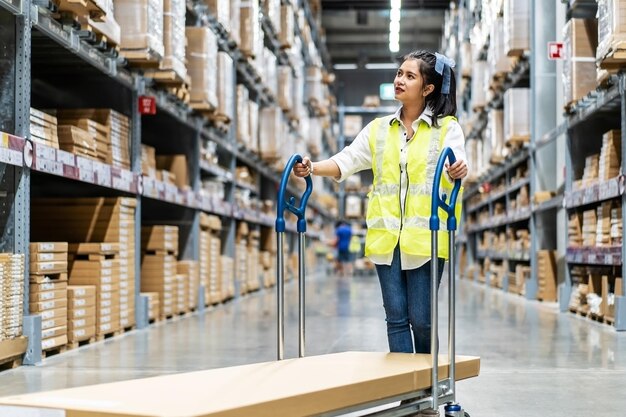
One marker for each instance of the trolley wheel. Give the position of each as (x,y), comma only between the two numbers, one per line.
(466,414)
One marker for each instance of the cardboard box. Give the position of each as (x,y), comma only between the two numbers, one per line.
(47,295)
(81,292)
(141,23)
(54,322)
(201,58)
(39,268)
(579,68)
(48,257)
(79,313)
(37,307)
(54,342)
(48,286)
(176,164)
(84,333)
(48,247)
(54,314)
(54,332)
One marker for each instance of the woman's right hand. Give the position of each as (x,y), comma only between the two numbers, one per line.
(304,168)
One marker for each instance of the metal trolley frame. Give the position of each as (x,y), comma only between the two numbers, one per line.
(425,402)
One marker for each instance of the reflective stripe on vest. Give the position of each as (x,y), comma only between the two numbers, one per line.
(384,221)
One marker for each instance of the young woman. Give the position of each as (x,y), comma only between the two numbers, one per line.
(402,150)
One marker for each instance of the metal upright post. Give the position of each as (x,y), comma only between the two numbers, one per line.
(620,299)
(543,115)
(434,314)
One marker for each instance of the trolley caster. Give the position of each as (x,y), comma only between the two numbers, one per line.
(455,410)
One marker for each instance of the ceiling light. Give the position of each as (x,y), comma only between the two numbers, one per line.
(381,65)
(396,4)
(345,66)
(394,47)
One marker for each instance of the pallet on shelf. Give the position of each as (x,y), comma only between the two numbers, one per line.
(79,8)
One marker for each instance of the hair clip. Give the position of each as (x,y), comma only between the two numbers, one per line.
(443,66)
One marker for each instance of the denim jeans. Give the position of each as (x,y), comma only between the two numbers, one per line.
(406,298)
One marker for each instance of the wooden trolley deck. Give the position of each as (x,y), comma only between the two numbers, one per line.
(294,387)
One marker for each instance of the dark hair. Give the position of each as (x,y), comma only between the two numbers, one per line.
(442,104)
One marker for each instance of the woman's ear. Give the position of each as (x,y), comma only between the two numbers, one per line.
(428,89)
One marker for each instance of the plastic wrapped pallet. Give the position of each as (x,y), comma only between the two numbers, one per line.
(579,68)
(221,11)
(11,295)
(287,22)
(611,27)
(516,116)
(249,28)
(235,21)
(174,40)
(201,58)
(496,129)
(243,116)
(107,25)
(314,85)
(479,68)
(271,9)
(270,140)
(516,27)
(225,91)
(499,62)
(253,111)
(269,72)
(285,88)
(141,23)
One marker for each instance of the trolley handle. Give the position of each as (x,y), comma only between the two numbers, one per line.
(437,201)
(290,205)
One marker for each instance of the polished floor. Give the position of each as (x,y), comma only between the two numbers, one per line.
(535,361)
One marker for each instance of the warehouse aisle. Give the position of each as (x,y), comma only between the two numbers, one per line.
(534,360)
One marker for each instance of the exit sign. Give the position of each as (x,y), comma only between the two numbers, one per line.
(556,50)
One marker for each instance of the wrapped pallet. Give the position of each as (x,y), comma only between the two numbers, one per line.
(225,82)
(221,11)
(516,116)
(516,27)
(499,62)
(249,28)
(496,129)
(270,133)
(174,37)
(479,68)
(271,9)
(610,155)
(611,28)
(285,87)
(106,26)
(243,116)
(141,24)
(287,22)
(235,21)
(201,58)
(579,68)
(270,70)
(253,124)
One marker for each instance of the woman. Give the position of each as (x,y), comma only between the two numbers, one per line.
(402,150)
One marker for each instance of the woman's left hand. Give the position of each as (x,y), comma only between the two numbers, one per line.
(458,170)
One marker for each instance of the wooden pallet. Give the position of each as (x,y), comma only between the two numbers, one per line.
(168,78)
(142,58)
(11,352)
(53,351)
(79,8)
(80,343)
(104,336)
(516,53)
(615,55)
(10,363)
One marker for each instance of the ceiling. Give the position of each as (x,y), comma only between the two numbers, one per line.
(357,32)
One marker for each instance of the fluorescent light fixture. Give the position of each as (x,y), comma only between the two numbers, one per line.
(396,4)
(382,65)
(394,26)
(394,37)
(394,47)
(394,15)
(345,66)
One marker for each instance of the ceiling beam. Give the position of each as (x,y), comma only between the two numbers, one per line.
(383,4)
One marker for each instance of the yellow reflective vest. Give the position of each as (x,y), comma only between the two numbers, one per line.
(385,223)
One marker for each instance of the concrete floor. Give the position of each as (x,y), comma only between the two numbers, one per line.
(535,361)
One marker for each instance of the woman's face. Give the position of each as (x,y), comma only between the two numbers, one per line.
(409,85)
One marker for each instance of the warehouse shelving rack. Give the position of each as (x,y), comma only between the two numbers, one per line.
(67,71)
(537,72)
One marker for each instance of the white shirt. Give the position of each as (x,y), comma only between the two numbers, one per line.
(358,157)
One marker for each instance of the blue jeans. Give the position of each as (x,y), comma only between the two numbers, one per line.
(406,298)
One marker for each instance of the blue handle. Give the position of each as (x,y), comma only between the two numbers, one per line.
(437,202)
(290,205)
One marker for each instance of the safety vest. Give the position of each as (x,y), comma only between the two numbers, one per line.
(385,225)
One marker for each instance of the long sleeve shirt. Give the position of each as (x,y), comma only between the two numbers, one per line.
(358,157)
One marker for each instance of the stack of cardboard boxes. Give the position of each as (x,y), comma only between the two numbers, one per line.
(48,291)
(610,155)
(98,264)
(580,37)
(159,245)
(87,136)
(81,314)
(172,67)
(225,93)
(517,285)
(191,275)
(603,227)
(574,230)
(201,58)
(11,295)
(141,24)
(43,128)
(616,226)
(241,257)
(253,259)
(154,311)
(546,275)
(590,221)
(215,258)
(227,286)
